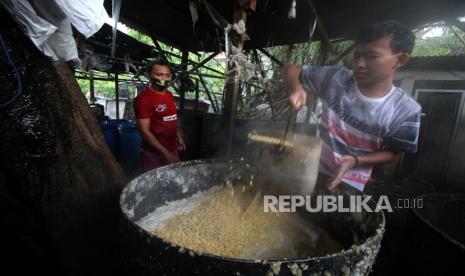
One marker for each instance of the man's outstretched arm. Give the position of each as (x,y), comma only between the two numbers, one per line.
(298,95)
(349,162)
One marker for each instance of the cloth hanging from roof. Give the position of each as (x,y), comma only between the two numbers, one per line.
(87,16)
(48,10)
(61,45)
(48,23)
(36,28)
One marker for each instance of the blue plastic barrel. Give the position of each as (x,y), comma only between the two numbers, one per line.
(110,133)
(110,130)
(103,122)
(118,122)
(128,147)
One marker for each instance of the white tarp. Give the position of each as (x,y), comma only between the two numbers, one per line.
(33,26)
(87,16)
(61,44)
(48,23)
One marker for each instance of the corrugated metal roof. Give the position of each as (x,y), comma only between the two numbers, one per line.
(436,63)
(171,21)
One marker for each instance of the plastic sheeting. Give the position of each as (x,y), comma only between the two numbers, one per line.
(61,44)
(36,28)
(48,10)
(48,23)
(87,16)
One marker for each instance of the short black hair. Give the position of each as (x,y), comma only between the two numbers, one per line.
(156,61)
(402,38)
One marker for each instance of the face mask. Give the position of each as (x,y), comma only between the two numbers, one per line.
(160,84)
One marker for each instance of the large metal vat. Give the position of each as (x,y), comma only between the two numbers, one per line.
(146,254)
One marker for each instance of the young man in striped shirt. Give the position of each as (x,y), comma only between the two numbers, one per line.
(366,120)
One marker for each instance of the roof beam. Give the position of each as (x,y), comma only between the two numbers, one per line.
(277,61)
(202,63)
(158,46)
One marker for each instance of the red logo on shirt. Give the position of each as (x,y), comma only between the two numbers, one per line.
(161,108)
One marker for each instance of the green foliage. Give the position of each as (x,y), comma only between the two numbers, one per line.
(102,88)
(105,89)
(140,36)
(446,44)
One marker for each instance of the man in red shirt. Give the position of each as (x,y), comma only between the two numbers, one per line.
(156,117)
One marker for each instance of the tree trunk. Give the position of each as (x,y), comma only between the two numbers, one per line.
(55,168)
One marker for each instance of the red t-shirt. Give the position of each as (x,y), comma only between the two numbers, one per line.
(160,108)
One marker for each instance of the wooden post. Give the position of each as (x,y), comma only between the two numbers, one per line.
(117,95)
(196,95)
(184,79)
(232,87)
(91,86)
